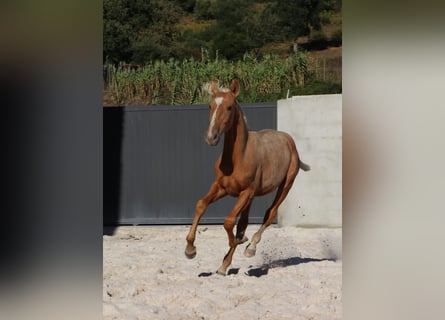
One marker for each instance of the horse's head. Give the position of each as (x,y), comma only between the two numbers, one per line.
(222,111)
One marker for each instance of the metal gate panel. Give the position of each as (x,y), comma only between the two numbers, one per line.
(157,164)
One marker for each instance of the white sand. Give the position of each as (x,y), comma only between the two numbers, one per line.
(296,274)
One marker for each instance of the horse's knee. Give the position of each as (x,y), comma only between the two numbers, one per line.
(229,223)
(201,205)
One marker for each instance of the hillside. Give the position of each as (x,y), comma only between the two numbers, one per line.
(139,33)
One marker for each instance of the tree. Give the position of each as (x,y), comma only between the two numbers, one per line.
(203,9)
(291,19)
(117,34)
(233,33)
(139,30)
(186,5)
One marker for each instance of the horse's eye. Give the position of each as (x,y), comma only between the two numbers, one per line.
(229,108)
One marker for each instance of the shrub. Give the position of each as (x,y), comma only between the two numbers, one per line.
(318,40)
(336,37)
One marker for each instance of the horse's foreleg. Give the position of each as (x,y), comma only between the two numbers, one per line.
(242,225)
(215,193)
(242,205)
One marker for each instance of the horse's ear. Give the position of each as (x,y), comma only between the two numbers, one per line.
(234,87)
(214,87)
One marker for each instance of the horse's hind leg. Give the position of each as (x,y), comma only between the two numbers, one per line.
(271,213)
(215,193)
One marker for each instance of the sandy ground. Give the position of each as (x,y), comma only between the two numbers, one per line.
(296,274)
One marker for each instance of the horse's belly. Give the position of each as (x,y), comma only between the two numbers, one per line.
(273,172)
(263,191)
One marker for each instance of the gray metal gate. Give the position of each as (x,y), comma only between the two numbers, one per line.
(157,164)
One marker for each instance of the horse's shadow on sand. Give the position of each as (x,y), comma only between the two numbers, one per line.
(264,269)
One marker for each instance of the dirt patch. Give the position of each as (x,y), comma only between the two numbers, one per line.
(296,274)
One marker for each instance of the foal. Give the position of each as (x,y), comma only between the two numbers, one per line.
(252,164)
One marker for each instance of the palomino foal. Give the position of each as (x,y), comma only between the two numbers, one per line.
(252,164)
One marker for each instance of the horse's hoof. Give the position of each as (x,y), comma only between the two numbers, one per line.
(221,273)
(249,253)
(190,254)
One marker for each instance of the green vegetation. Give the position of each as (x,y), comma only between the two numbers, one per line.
(139,31)
(176,82)
(163,51)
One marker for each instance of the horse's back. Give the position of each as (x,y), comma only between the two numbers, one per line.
(275,141)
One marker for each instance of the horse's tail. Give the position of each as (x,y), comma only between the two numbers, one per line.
(304,166)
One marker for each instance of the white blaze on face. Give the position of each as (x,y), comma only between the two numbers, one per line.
(218,102)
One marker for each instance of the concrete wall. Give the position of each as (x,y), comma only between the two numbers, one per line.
(315,123)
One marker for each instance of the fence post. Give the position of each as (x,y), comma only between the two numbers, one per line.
(324,69)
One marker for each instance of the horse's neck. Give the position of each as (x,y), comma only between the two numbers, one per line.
(235,140)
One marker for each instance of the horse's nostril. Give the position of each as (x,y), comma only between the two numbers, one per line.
(215,136)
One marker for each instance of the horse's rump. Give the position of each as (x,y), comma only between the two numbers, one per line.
(276,150)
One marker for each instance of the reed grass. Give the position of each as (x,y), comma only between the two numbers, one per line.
(176,82)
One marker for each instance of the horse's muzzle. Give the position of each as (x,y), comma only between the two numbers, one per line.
(213,139)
